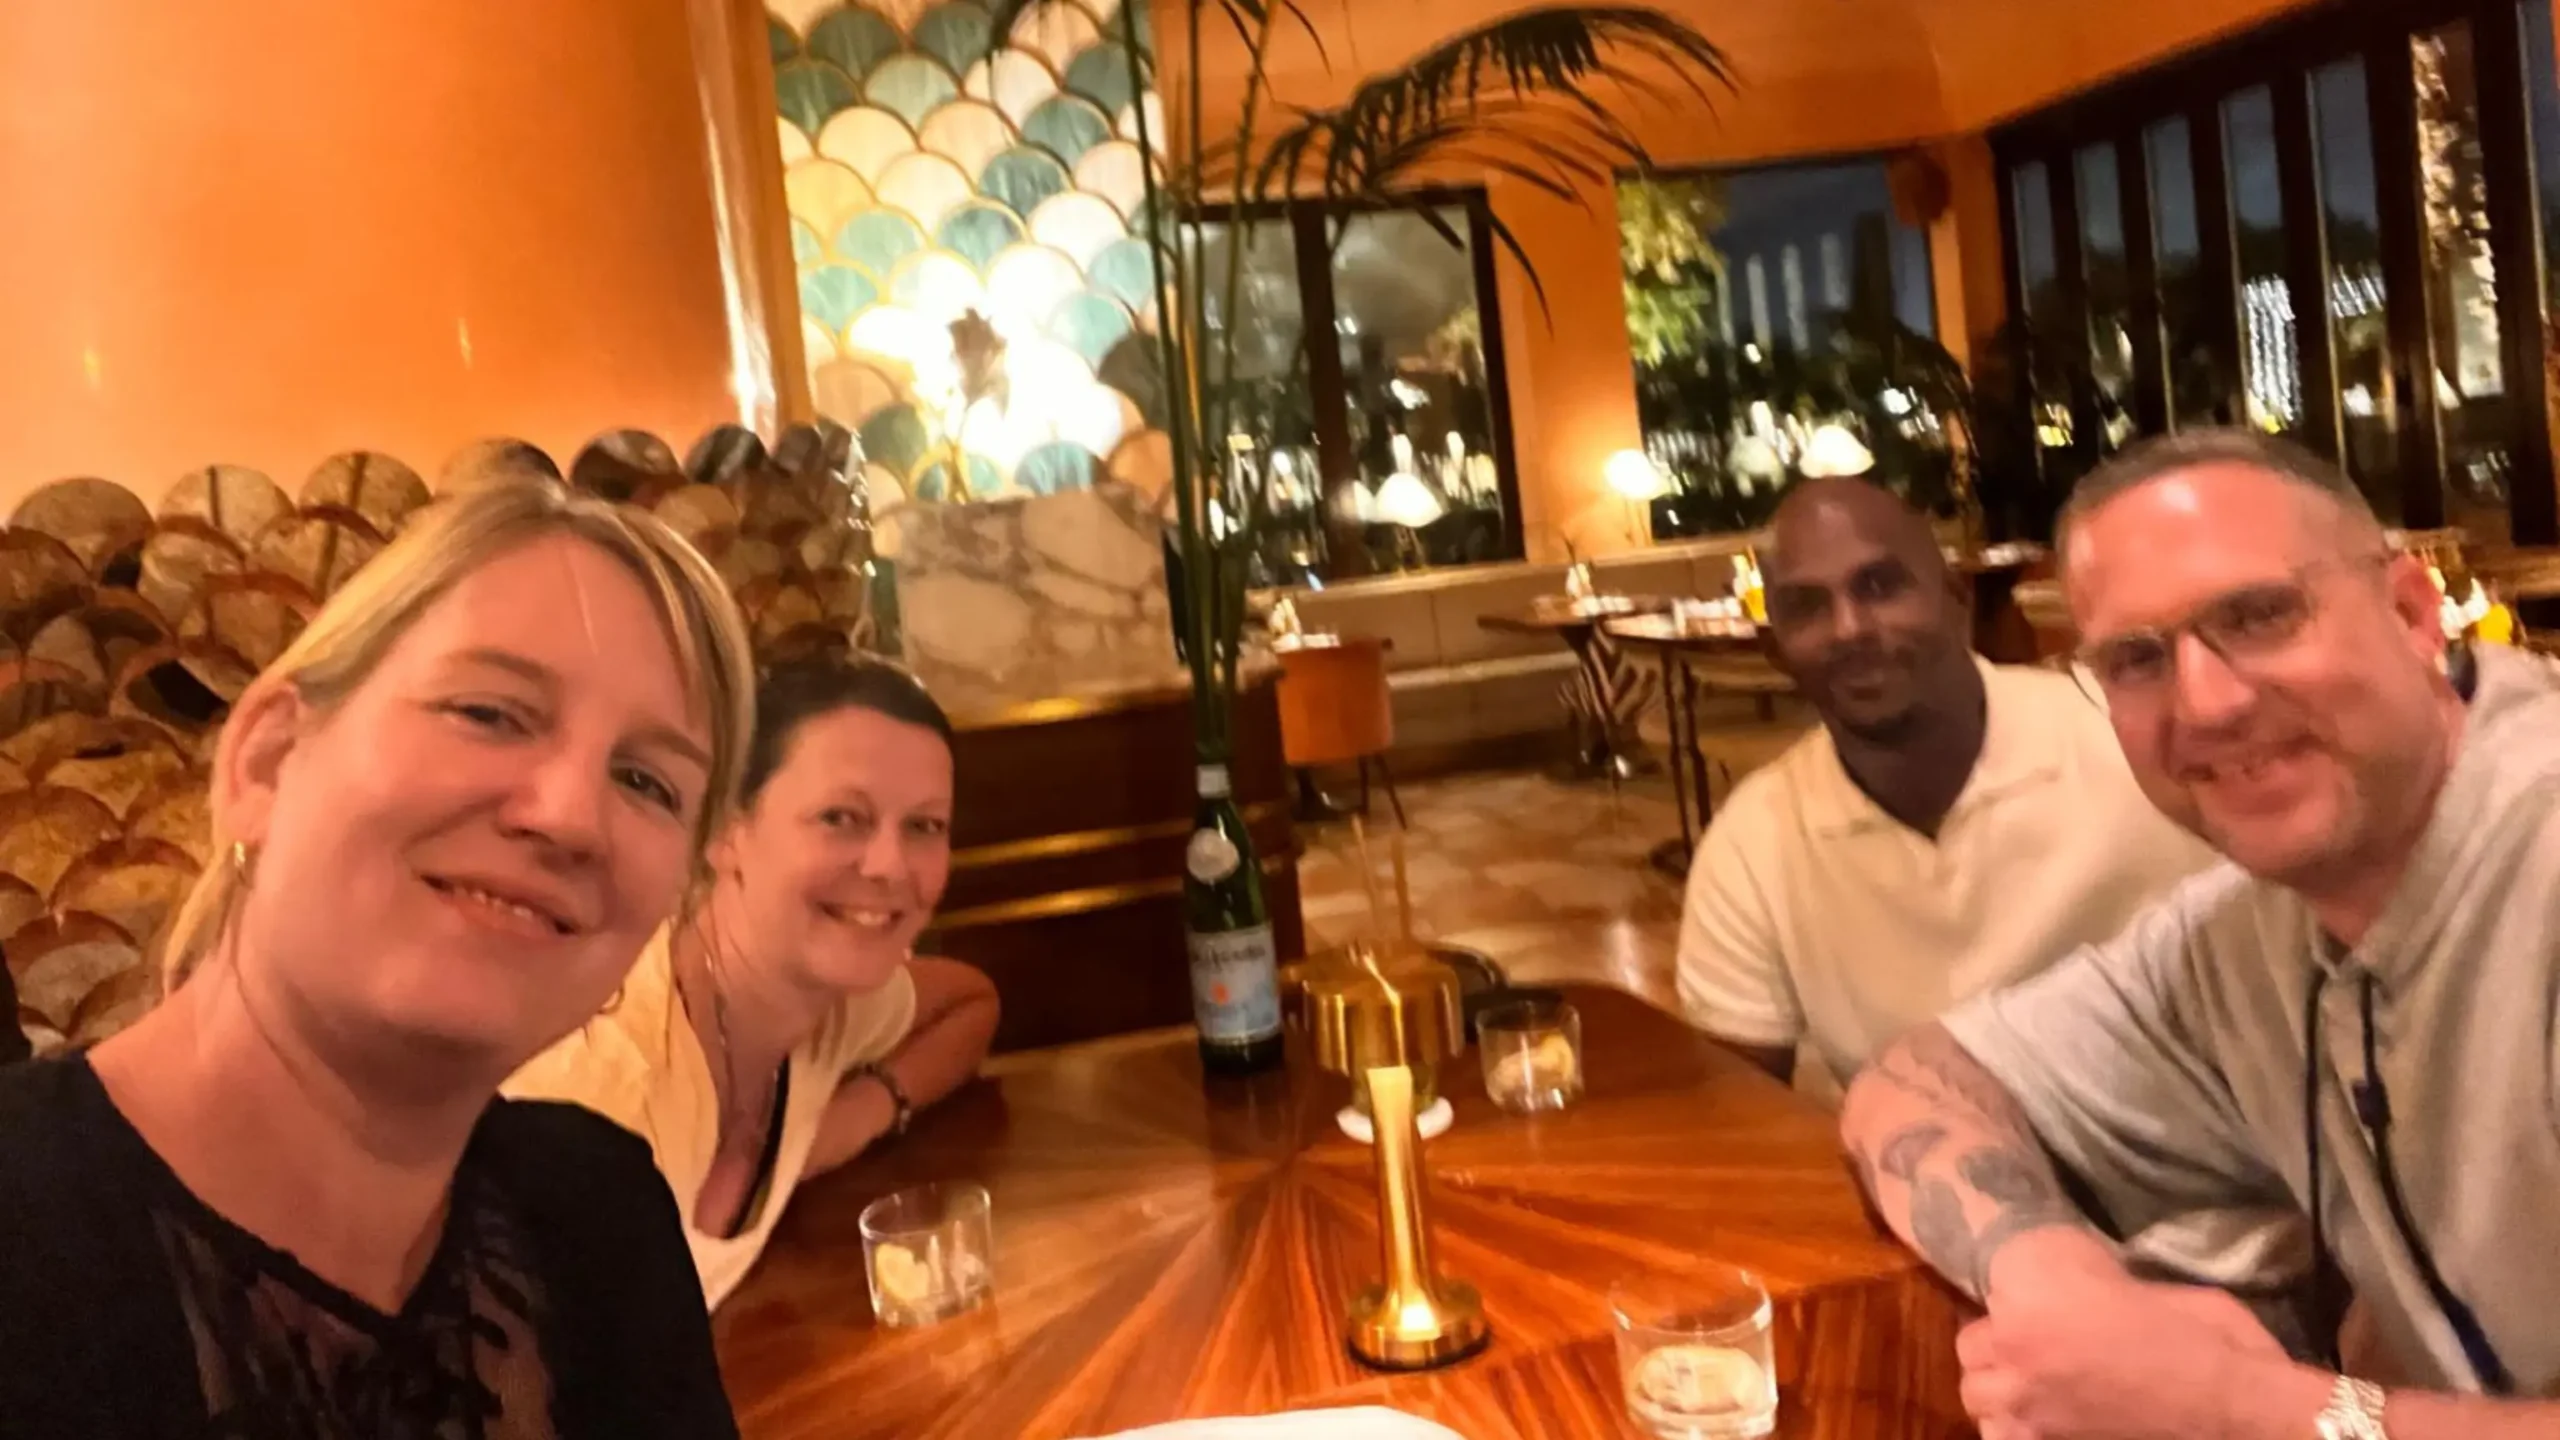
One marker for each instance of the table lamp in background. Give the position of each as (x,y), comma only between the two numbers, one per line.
(1832,450)
(1633,475)
(1408,504)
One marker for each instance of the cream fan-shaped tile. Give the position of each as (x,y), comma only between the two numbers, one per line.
(850,392)
(926,187)
(897,335)
(1031,280)
(800,15)
(1057,32)
(1049,380)
(1118,173)
(817,343)
(902,13)
(866,139)
(1104,13)
(1095,419)
(938,285)
(1126,122)
(1016,82)
(994,431)
(1145,461)
(970,132)
(825,194)
(794,141)
(1078,225)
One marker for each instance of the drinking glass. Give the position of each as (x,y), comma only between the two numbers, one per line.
(1694,1354)
(929,1253)
(1532,1055)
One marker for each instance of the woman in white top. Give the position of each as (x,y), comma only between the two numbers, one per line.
(780,1027)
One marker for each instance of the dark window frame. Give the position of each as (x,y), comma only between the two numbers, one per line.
(1330,401)
(2282,54)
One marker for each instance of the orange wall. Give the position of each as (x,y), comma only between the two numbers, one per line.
(260,231)
(1999,58)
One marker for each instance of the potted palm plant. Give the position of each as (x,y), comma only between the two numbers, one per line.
(1510,98)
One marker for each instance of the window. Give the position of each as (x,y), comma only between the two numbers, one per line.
(1387,448)
(2368,406)
(2337,224)
(1764,302)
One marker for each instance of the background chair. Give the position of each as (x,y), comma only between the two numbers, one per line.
(1335,709)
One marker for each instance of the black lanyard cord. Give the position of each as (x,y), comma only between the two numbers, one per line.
(2373,1112)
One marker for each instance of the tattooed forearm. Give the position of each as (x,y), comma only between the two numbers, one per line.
(1930,1125)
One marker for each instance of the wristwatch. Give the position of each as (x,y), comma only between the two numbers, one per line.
(906,1113)
(2354,1412)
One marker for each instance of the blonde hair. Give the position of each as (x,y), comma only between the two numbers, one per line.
(346,641)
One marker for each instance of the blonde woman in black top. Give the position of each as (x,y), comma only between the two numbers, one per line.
(286,1203)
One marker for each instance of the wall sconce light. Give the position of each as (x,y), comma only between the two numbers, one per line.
(1832,450)
(1633,475)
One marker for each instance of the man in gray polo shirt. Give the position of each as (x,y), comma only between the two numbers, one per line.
(2353,1018)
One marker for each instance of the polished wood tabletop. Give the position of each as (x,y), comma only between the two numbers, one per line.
(1166,1250)
(1572,618)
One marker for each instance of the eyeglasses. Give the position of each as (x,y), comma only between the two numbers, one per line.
(2246,628)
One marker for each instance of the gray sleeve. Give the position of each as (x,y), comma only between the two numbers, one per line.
(2107,1054)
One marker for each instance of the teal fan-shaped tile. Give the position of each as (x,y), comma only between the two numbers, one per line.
(808,91)
(1022,178)
(1090,325)
(911,87)
(1066,126)
(1054,468)
(854,40)
(979,232)
(807,247)
(896,437)
(779,39)
(985,480)
(1102,76)
(833,294)
(1125,271)
(878,239)
(956,34)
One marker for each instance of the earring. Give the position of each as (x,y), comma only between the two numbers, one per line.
(240,861)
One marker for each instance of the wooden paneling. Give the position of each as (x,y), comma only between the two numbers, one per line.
(1067,841)
(1164,1250)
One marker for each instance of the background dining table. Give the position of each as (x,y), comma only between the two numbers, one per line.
(1168,1249)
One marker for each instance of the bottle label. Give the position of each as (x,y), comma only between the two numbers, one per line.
(1211,856)
(1214,784)
(1235,984)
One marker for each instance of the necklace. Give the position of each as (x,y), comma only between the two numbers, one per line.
(753,1119)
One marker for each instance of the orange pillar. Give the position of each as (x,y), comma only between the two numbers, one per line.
(261,232)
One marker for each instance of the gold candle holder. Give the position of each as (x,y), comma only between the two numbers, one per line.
(1387,1016)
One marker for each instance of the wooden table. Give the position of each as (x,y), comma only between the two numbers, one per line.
(1163,1253)
(1676,645)
(1577,623)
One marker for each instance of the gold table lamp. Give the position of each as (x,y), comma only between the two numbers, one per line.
(1387,1015)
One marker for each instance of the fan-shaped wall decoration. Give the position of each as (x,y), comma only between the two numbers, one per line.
(1067,126)
(1014,81)
(817,343)
(780,41)
(937,284)
(794,143)
(808,91)
(970,132)
(1079,225)
(933,482)
(855,41)
(926,187)
(1054,468)
(1090,325)
(897,334)
(955,34)
(979,232)
(1102,76)
(866,139)
(1126,272)
(1117,172)
(849,387)
(896,437)
(1032,280)
(825,194)
(1152,107)
(877,241)
(911,87)
(833,294)
(1023,179)
(1058,33)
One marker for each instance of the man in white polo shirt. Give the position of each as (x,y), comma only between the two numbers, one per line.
(1953,827)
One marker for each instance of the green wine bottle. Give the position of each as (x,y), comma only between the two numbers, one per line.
(1235,966)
